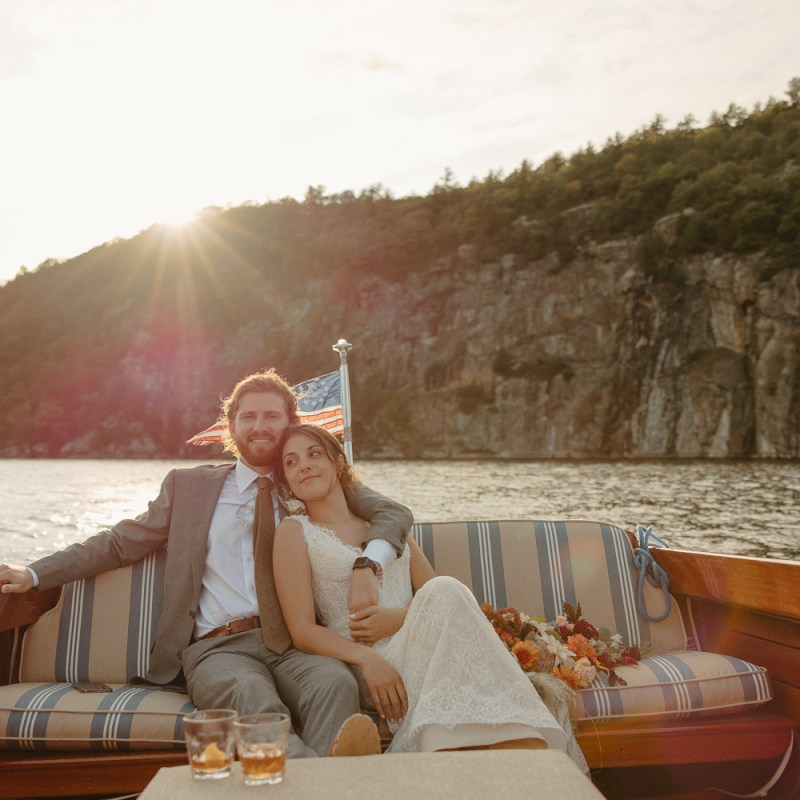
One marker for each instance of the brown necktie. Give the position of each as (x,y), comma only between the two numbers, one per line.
(276,635)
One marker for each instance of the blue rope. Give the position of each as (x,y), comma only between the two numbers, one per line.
(648,569)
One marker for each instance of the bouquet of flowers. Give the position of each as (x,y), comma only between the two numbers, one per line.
(570,648)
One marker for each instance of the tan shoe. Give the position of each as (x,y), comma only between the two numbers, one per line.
(358,736)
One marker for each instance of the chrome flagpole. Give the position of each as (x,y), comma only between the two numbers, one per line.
(341,347)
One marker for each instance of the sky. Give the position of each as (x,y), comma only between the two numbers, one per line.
(118,114)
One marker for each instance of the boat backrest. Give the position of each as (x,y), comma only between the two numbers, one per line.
(103,627)
(538,565)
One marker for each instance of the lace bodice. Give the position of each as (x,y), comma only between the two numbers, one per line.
(331,568)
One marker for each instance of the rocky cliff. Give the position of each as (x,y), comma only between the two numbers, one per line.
(593,359)
(594,356)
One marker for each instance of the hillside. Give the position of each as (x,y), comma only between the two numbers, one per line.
(642,299)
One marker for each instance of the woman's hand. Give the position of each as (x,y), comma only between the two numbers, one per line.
(385,686)
(376,623)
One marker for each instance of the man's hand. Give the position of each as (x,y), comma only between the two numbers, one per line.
(375,623)
(14,580)
(363,590)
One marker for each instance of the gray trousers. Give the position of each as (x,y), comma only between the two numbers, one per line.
(238,672)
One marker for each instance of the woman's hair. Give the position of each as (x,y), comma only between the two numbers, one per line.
(266,381)
(332,447)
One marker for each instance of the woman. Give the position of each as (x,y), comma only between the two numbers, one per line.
(428,658)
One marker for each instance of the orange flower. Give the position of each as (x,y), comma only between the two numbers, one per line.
(566,674)
(527,654)
(579,645)
(506,638)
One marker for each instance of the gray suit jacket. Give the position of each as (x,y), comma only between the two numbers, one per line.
(179,519)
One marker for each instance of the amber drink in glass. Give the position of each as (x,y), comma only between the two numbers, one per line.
(210,742)
(261,741)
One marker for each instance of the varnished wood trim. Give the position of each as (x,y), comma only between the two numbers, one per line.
(780,660)
(630,743)
(23,609)
(787,701)
(762,584)
(79,774)
(708,614)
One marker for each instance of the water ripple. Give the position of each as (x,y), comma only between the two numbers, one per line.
(745,508)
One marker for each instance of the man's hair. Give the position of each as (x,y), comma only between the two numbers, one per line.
(332,447)
(266,381)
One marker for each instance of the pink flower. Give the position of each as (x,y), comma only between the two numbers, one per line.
(585,671)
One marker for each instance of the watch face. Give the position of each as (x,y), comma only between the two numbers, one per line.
(363,562)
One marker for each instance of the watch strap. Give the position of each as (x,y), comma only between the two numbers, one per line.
(362,562)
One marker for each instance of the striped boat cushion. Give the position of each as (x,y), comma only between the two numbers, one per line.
(536,566)
(101,629)
(677,685)
(54,716)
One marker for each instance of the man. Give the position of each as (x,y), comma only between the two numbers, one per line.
(221,627)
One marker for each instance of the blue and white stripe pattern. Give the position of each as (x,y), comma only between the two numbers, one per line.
(486,559)
(28,725)
(677,686)
(148,588)
(56,716)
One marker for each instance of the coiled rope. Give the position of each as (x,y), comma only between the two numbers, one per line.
(651,571)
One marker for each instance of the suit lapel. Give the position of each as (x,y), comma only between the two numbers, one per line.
(204,498)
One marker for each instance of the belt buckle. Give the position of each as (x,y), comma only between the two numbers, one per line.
(228,629)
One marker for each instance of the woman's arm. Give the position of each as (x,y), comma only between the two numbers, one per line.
(292,570)
(421,569)
(377,622)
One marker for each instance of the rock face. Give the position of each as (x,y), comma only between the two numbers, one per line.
(596,358)
(593,359)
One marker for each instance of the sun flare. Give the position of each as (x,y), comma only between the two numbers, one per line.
(179,219)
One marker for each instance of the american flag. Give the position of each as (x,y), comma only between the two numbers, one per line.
(319,402)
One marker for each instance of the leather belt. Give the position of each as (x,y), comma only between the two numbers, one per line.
(239,625)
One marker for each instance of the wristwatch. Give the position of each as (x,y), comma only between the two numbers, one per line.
(362,562)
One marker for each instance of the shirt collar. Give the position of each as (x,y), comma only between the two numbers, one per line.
(245,476)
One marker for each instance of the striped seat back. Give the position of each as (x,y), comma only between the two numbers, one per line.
(536,566)
(101,629)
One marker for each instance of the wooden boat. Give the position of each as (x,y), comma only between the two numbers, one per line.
(741,607)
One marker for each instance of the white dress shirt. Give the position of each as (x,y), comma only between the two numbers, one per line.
(229,589)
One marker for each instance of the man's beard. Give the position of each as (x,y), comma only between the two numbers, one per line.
(260,455)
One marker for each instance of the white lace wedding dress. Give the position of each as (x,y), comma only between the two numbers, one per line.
(464,688)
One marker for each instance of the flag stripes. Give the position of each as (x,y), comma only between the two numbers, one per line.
(319,402)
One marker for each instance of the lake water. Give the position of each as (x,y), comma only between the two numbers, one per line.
(746,508)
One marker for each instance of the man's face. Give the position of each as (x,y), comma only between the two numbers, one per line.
(257,428)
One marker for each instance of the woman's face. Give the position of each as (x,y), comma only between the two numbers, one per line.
(309,471)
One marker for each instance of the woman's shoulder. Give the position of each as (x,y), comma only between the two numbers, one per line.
(291,526)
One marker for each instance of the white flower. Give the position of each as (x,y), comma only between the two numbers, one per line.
(616,641)
(562,654)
